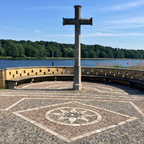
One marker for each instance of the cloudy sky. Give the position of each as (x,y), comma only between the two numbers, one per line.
(116,23)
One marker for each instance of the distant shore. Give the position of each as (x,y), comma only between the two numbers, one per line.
(33,58)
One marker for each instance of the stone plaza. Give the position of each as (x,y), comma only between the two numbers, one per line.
(52,112)
(43,106)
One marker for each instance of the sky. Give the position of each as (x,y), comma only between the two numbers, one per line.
(116,23)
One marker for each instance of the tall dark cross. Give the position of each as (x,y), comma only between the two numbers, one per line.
(77,21)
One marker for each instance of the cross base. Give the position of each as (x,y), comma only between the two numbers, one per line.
(77,78)
(77,86)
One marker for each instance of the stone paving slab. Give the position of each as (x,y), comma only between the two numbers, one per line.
(8,102)
(100,113)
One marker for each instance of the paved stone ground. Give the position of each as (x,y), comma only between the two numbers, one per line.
(51,113)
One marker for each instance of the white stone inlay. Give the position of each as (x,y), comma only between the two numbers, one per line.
(73,116)
(15,104)
(74,109)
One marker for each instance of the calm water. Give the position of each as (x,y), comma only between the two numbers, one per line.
(63,62)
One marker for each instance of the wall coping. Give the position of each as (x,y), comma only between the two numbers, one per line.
(38,67)
(73,67)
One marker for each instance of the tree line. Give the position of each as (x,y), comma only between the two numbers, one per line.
(43,49)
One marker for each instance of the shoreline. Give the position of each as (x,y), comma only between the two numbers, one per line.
(66,58)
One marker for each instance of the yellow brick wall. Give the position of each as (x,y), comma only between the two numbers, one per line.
(12,73)
(114,72)
(2,78)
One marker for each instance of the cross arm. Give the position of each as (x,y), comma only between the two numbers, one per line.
(88,21)
(67,21)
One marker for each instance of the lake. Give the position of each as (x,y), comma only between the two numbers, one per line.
(66,62)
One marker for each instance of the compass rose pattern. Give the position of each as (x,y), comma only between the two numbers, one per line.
(73,116)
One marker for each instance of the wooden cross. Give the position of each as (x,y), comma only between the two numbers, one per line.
(77,21)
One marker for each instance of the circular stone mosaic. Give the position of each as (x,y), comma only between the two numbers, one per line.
(73,116)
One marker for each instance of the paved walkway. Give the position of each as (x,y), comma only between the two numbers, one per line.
(51,113)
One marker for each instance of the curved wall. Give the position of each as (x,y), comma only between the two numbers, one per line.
(2,78)
(13,73)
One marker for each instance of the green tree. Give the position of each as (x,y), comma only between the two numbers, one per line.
(21,50)
(65,52)
(42,52)
(102,54)
(97,51)
(133,54)
(85,54)
(30,51)
(91,54)
(109,52)
(12,50)
(38,49)
(118,54)
(71,53)
(0,44)
(2,52)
